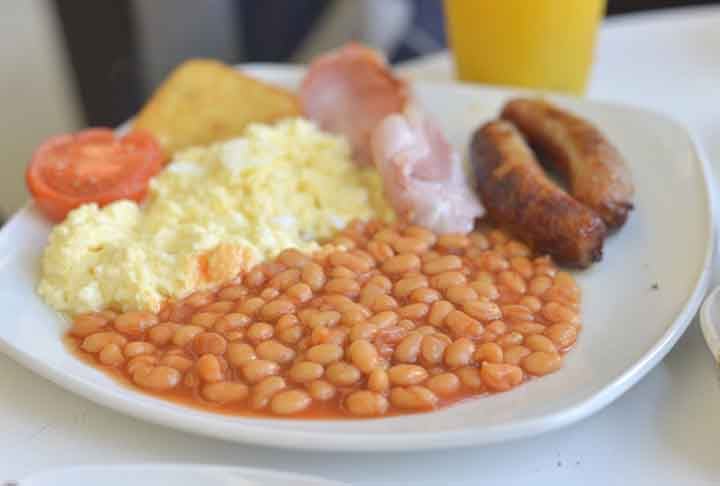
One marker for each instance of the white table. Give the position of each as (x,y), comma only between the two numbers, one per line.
(664,431)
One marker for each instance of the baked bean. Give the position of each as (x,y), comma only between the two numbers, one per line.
(383,303)
(443,384)
(497,327)
(221,307)
(355,316)
(378,381)
(484,276)
(341,373)
(408,349)
(402,263)
(250,306)
(453,241)
(299,293)
(485,290)
(225,392)
(510,339)
(205,319)
(286,321)
(136,348)
(272,350)
(527,327)
(500,377)
(135,323)
(459,353)
(257,369)
(413,311)
(532,303)
(343,286)
(264,390)
(86,324)
(234,336)
(353,262)
(538,342)
(269,293)
(432,349)
(270,269)
(516,312)
(515,248)
(492,261)
(292,258)
(557,313)
(405,286)
(144,361)
(425,296)
(345,242)
(387,235)
(314,276)
(321,390)
(380,250)
(442,264)
(233,292)
(515,354)
(289,402)
(407,374)
(363,355)
(461,324)
(209,343)
(96,342)
(439,311)
(111,355)
(410,245)
(238,354)
(413,398)
(305,371)
(180,363)
(324,354)
(539,285)
(364,403)
(324,319)
(290,335)
(364,330)
(482,310)
(342,272)
(158,378)
(259,331)
(541,363)
(199,299)
(563,334)
(209,368)
(546,269)
(231,322)
(490,352)
(523,266)
(384,319)
(275,309)
(420,233)
(459,294)
(513,281)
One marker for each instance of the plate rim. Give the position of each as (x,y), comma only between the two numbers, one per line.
(416,441)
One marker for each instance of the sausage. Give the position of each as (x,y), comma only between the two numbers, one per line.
(596,173)
(519,196)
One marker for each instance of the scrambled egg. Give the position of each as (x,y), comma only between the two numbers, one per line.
(214,211)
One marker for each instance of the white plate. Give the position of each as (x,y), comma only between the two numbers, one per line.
(175,474)
(628,324)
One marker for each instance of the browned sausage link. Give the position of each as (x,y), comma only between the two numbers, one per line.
(596,172)
(519,196)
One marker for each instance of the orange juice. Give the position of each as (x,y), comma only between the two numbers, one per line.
(544,44)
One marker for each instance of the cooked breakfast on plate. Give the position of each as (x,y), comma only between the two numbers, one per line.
(322,256)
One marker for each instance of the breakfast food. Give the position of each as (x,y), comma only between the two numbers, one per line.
(388,128)
(295,272)
(212,212)
(392,319)
(519,195)
(205,101)
(91,166)
(596,172)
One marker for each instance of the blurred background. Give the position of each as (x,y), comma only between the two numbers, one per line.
(68,64)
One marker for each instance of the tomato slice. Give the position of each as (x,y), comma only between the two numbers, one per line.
(92,165)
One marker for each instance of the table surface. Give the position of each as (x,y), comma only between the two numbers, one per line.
(663,431)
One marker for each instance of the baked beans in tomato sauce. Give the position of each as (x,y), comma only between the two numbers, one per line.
(387,319)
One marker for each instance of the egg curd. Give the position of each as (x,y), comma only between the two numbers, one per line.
(213,212)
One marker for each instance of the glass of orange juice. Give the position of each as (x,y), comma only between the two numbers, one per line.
(546,44)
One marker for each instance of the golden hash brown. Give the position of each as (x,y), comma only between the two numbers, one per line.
(204,101)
